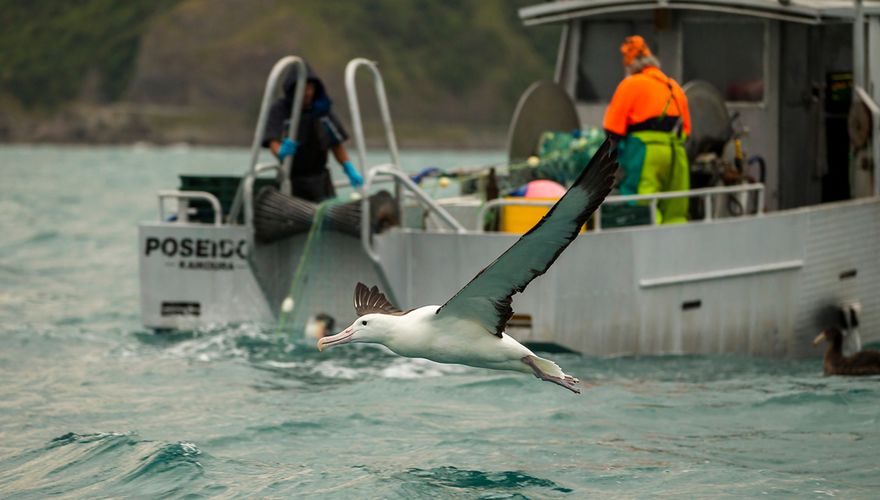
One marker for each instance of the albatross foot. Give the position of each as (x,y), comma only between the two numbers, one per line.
(566,381)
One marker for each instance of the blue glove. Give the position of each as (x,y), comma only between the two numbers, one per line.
(288,148)
(417,178)
(354,177)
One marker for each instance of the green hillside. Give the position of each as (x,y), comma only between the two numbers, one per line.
(48,48)
(103,70)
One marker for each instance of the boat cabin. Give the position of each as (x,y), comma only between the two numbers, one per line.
(789,70)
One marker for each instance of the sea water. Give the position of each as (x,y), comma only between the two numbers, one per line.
(94,405)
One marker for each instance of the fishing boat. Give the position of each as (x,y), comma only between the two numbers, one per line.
(782,242)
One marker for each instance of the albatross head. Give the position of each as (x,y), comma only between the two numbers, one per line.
(370,328)
(832,335)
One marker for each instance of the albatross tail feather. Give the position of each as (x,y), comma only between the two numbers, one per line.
(548,367)
(547,370)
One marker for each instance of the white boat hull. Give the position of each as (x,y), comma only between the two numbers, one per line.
(752,285)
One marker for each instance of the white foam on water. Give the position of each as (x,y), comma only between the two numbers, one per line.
(414,368)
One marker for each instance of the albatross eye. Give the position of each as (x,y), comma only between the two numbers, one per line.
(364,322)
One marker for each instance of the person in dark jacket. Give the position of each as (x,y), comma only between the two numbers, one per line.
(319,131)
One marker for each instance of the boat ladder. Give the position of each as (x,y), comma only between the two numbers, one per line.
(387,170)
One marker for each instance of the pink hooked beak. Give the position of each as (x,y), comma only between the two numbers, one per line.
(340,338)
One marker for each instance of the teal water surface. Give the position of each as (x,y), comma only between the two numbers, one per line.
(93,405)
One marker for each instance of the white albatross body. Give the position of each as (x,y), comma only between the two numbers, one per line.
(419,333)
(469,328)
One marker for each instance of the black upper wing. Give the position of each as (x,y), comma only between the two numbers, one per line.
(487,298)
(371,300)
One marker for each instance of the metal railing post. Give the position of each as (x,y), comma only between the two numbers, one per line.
(873,108)
(419,194)
(707,207)
(652,198)
(357,123)
(760,208)
(278,70)
(182,198)
(872,78)
(400,179)
(183,210)
(859,45)
(248,189)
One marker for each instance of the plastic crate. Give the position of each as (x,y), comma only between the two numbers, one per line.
(223,187)
(623,215)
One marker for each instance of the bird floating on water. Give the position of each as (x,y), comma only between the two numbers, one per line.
(835,363)
(469,328)
(319,325)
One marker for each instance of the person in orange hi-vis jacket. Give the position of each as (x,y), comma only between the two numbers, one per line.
(648,116)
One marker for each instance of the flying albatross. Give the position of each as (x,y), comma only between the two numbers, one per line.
(469,328)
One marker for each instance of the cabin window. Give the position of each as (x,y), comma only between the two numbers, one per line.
(729,55)
(600,68)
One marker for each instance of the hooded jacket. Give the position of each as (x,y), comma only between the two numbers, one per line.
(319,129)
(648,100)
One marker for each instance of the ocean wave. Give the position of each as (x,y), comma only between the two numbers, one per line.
(168,457)
(112,463)
(834,397)
(451,479)
(277,354)
(212,343)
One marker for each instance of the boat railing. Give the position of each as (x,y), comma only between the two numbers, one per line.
(183,198)
(874,109)
(654,198)
(247,188)
(345,184)
(392,170)
(403,180)
(357,125)
(275,78)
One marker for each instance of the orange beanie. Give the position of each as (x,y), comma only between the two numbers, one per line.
(633,47)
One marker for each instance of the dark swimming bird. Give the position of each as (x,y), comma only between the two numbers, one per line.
(469,328)
(835,363)
(320,325)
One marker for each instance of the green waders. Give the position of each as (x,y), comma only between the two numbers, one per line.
(653,162)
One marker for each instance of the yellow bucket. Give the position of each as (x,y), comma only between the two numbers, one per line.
(518,219)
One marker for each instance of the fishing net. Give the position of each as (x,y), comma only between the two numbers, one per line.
(317,257)
(331,260)
(560,157)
